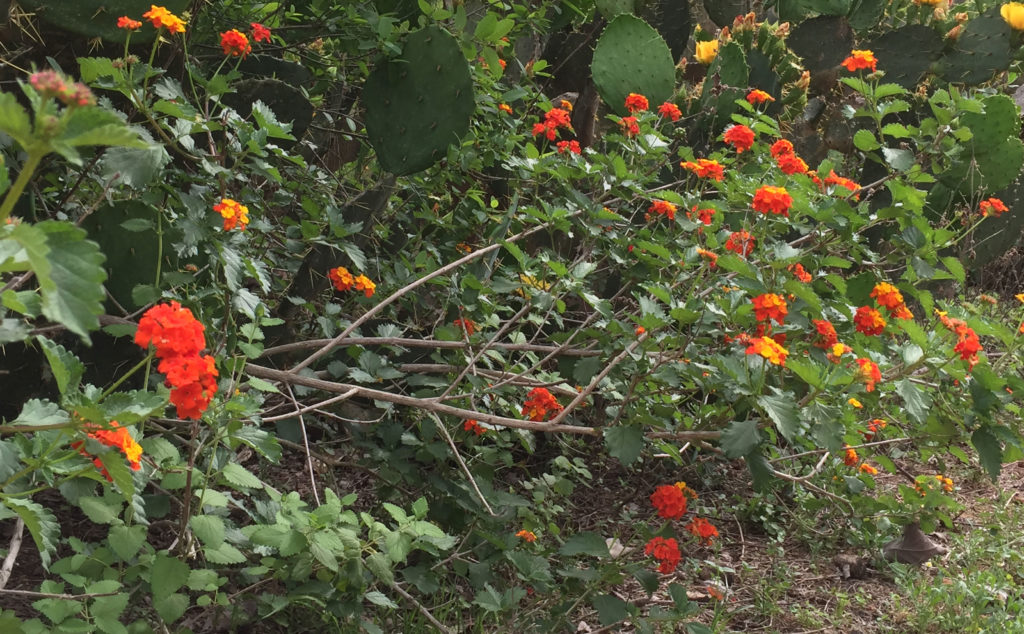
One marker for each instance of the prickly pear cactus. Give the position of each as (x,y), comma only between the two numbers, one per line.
(982,49)
(631,56)
(126,233)
(772,64)
(906,53)
(727,80)
(992,159)
(98,18)
(672,19)
(997,235)
(723,12)
(822,42)
(419,103)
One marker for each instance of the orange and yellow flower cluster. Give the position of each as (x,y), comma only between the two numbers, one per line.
(234,213)
(343,280)
(705,168)
(178,339)
(117,437)
(553,120)
(890,298)
(968,345)
(670,501)
(541,405)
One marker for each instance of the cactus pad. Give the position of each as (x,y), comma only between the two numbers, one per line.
(98,18)
(274,67)
(994,156)
(418,103)
(723,12)
(632,57)
(672,19)
(126,233)
(822,42)
(982,49)
(287,102)
(906,53)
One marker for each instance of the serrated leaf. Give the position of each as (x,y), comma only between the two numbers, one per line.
(585,369)
(240,477)
(134,167)
(126,541)
(990,452)
(10,459)
(224,555)
(97,126)
(41,524)
(916,400)
(261,385)
(585,543)
(167,575)
(67,369)
(75,296)
(37,412)
(379,598)
(171,607)
(610,609)
(380,565)
(739,438)
(98,511)
(209,529)
(114,463)
(781,408)
(14,120)
(624,442)
(134,406)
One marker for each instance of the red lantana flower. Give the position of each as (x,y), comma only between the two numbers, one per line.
(740,242)
(702,529)
(791,164)
(670,501)
(467,324)
(172,329)
(666,551)
(827,336)
(705,168)
(473,426)
(124,22)
(740,137)
(636,103)
(670,110)
(572,147)
(663,208)
(769,349)
(541,405)
(835,179)
(260,33)
(553,119)
(771,199)
(780,147)
(235,43)
(800,272)
(850,458)
(869,321)
(630,126)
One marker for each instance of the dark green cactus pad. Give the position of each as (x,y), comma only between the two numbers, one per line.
(630,57)
(672,19)
(286,101)
(865,14)
(723,12)
(98,18)
(276,68)
(126,233)
(982,50)
(611,8)
(906,53)
(400,9)
(995,236)
(728,68)
(994,156)
(726,81)
(822,42)
(419,103)
(764,78)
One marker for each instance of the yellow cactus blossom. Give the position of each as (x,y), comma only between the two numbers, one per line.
(706,52)
(1013,13)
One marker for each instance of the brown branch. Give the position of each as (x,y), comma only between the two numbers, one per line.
(12,552)
(425,343)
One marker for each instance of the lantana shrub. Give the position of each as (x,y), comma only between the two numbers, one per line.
(643,294)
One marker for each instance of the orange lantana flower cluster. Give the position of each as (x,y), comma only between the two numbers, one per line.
(473,426)
(344,281)
(553,120)
(662,208)
(860,60)
(670,501)
(827,336)
(571,147)
(178,339)
(740,242)
(755,97)
(630,126)
(670,110)
(705,168)
(992,207)
(636,103)
(869,321)
(799,272)
(740,137)
(769,349)
(702,529)
(117,437)
(968,345)
(874,427)
(161,18)
(769,306)
(869,372)
(890,298)
(541,405)
(527,536)
(772,199)
(467,324)
(235,43)
(234,213)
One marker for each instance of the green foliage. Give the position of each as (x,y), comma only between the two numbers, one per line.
(98,18)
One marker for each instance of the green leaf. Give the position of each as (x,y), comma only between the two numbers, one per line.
(610,609)
(781,408)
(624,442)
(73,289)
(126,541)
(585,369)
(67,369)
(134,406)
(267,121)
(134,167)
(97,126)
(990,452)
(14,120)
(41,524)
(898,159)
(377,597)
(586,543)
(171,607)
(917,401)
(739,438)
(167,575)
(114,463)
(98,511)
(37,412)
(240,478)
(865,141)
(380,565)
(760,471)
(209,529)
(10,458)
(224,555)
(810,374)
